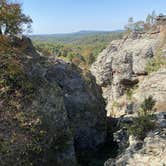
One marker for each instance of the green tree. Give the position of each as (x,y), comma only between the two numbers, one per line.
(12,19)
(90,59)
(129,26)
(153,15)
(148,19)
(138,26)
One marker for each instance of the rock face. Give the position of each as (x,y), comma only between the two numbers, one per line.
(153,85)
(119,66)
(34,126)
(121,72)
(152,152)
(84,104)
(49,104)
(63,112)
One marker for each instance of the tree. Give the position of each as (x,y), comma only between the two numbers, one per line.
(12,18)
(148,19)
(153,17)
(138,26)
(129,26)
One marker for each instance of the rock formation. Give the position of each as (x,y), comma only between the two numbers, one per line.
(120,67)
(84,104)
(60,112)
(121,70)
(151,152)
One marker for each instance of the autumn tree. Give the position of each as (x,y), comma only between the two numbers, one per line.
(12,19)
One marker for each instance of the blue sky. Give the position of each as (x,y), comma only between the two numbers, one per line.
(63,16)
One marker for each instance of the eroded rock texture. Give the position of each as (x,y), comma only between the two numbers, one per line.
(58,109)
(120,67)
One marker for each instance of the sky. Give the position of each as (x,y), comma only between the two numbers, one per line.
(66,16)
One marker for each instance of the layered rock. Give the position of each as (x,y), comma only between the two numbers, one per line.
(119,67)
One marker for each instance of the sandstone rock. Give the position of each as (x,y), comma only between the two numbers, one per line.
(161,119)
(152,153)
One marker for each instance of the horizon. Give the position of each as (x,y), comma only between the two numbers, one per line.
(77,32)
(64,17)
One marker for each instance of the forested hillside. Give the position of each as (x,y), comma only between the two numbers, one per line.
(81,48)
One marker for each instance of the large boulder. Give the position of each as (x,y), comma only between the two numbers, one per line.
(84,104)
(34,126)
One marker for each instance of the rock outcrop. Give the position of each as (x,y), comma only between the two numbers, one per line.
(120,66)
(50,111)
(121,71)
(84,104)
(34,126)
(153,85)
(151,152)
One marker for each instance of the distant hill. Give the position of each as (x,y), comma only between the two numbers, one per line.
(76,37)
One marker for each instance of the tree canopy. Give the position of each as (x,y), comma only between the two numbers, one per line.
(141,26)
(12,19)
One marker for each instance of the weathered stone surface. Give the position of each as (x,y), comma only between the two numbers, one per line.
(49,104)
(83,102)
(121,137)
(153,152)
(119,66)
(121,72)
(66,103)
(153,85)
(39,128)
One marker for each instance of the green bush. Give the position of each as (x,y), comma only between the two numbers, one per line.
(147,106)
(145,121)
(155,64)
(141,126)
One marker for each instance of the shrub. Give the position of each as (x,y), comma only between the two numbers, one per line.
(144,122)
(129,94)
(156,63)
(147,106)
(141,125)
